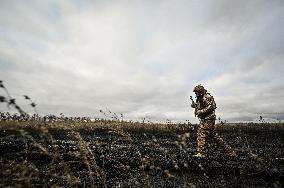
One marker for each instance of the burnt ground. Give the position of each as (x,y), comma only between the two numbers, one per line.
(86,155)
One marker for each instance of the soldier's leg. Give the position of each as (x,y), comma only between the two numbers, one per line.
(202,132)
(219,140)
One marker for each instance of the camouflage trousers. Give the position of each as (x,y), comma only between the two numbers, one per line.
(207,129)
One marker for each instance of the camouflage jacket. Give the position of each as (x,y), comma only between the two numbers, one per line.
(205,107)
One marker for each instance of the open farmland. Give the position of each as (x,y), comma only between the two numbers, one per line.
(124,154)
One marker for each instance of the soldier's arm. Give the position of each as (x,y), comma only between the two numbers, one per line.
(210,106)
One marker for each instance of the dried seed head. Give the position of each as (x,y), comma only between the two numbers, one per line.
(2,99)
(11,101)
(27,97)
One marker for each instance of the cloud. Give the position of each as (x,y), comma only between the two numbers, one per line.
(143,58)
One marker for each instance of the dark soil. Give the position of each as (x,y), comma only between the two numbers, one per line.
(36,156)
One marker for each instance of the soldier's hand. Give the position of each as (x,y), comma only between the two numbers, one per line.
(198,112)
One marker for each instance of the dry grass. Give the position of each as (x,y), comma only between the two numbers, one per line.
(113,153)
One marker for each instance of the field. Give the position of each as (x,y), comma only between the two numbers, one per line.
(127,154)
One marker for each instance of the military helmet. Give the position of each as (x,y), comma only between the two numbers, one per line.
(199,89)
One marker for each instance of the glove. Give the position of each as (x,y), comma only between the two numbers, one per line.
(198,112)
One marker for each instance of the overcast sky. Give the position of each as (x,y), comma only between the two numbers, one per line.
(143,58)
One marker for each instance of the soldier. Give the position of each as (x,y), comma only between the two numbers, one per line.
(205,110)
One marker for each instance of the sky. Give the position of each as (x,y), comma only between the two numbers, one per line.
(142,59)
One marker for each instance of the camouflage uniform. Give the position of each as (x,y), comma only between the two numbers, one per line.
(205,110)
